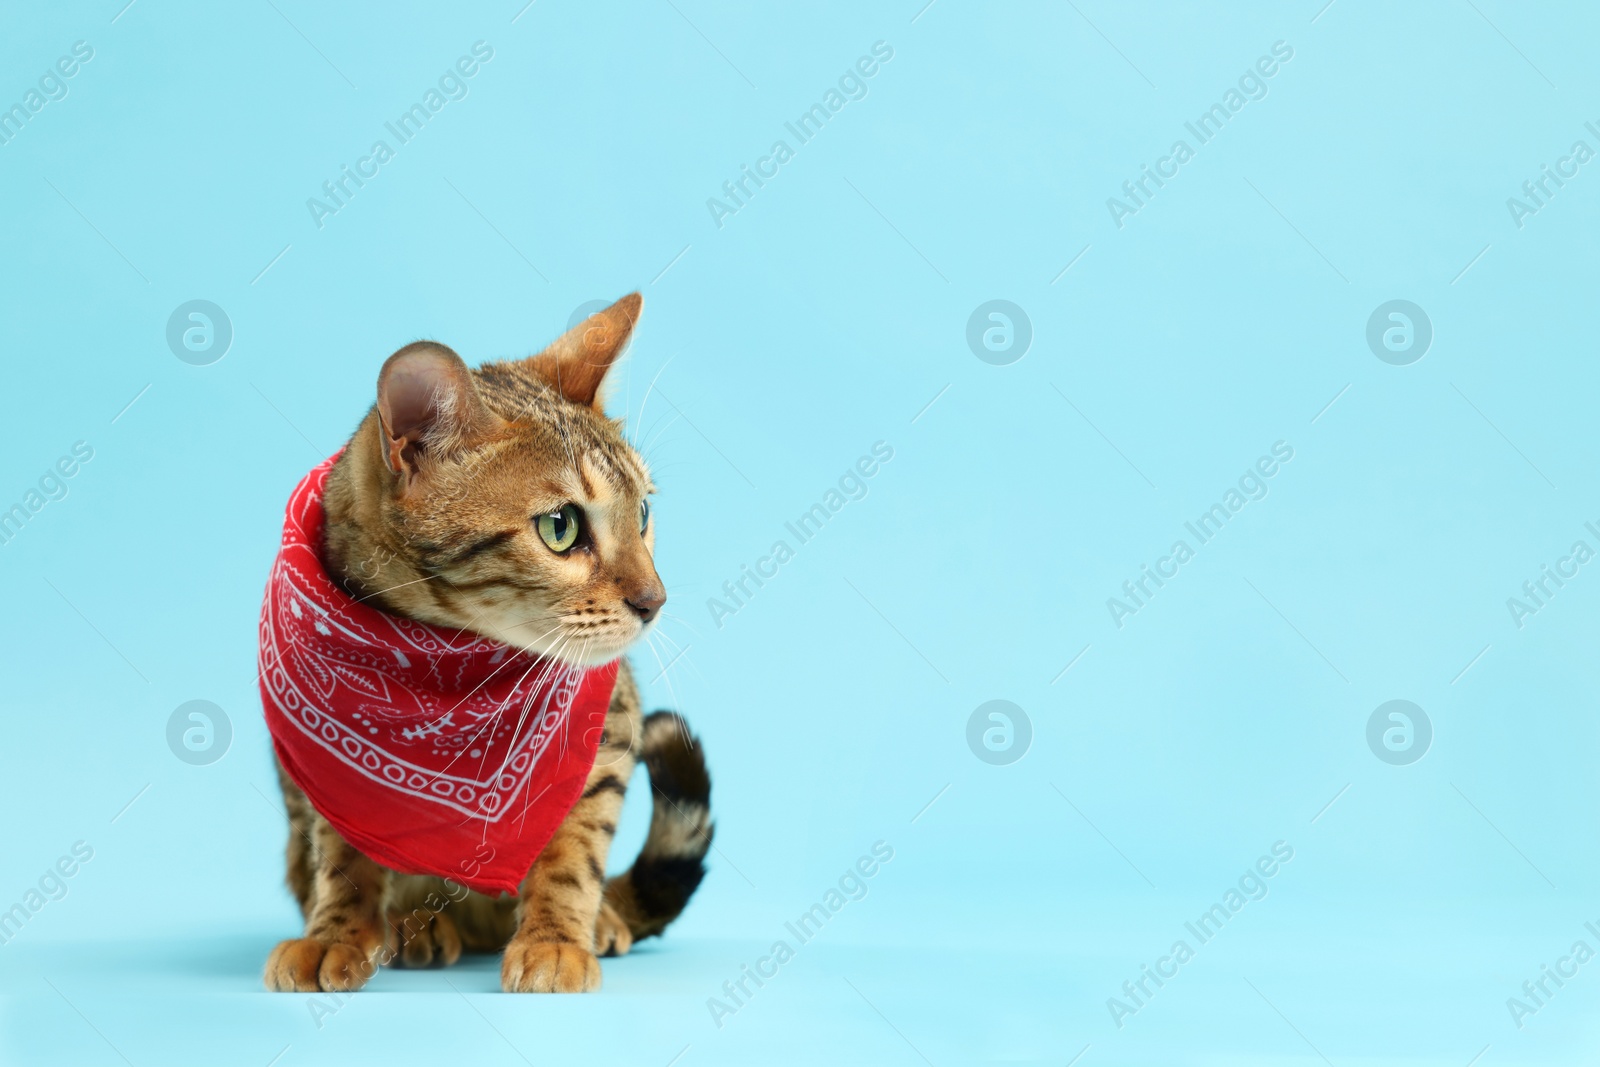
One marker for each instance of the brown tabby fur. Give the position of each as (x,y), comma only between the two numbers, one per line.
(428,515)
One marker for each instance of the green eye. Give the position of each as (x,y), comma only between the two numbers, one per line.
(644,515)
(560,529)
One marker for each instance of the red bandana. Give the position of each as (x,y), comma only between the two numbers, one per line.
(431,751)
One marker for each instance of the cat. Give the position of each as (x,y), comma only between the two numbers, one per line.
(448,506)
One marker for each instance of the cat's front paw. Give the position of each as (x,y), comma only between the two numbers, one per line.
(611,935)
(306,965)
(548,967)
(418,938)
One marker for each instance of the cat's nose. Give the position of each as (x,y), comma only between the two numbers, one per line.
(646,603)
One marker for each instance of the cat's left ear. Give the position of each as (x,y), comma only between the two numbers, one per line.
(428,409)
(577,362)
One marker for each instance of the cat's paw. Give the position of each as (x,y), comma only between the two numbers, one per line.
(611,935)
(306,965)
(422,937)
(548,967)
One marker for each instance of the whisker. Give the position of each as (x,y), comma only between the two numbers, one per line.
(533,692)
(682,656)
(679,721)
(656,436)
(488,721)
(508,661)
(664,675)
(681,621)
(583,653)
(646,399)
(516,738)
(402,585)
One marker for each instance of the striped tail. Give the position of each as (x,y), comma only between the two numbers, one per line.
(655,890)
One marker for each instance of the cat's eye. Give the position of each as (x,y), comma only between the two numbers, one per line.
(560,529)
(644,515)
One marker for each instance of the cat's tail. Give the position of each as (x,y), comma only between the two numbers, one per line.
(654,891)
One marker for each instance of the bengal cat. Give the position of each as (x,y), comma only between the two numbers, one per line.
(433,513)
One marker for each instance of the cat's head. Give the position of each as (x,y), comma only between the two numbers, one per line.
(521,507)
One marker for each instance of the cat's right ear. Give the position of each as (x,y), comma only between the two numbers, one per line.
(428,409)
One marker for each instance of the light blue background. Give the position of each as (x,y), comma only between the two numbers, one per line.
(825,316)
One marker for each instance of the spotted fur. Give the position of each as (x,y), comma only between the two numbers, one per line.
(428,516)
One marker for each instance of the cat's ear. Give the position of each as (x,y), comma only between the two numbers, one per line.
(577,362)
(428,408)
